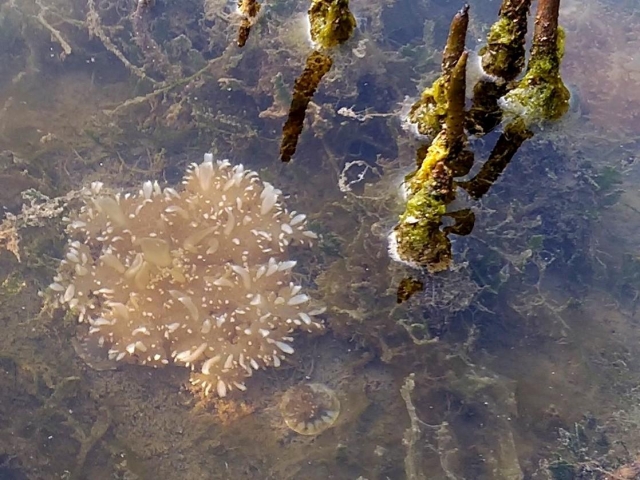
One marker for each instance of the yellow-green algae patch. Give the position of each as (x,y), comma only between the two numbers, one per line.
(332,23)
(541,94)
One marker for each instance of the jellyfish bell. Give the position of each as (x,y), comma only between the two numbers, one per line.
(310,409)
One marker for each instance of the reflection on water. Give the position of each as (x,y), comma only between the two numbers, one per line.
(520,362)
(604,36)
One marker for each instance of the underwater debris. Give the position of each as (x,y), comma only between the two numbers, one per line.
(9,237)
(199,277)
(310,409)
(629,471)
(419,239)
(36,210)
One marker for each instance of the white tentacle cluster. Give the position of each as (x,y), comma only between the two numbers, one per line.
(199,277)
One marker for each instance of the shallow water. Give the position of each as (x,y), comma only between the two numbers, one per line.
(519,363)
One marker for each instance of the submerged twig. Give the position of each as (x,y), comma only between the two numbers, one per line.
(413,434)
(318,64)
(95,30)
(154,57)
(249,10)
(331,24)
(66,47)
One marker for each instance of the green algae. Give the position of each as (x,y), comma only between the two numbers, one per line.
(430,111)
(541,94)
(504,54)
(332,23)
(419,238)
